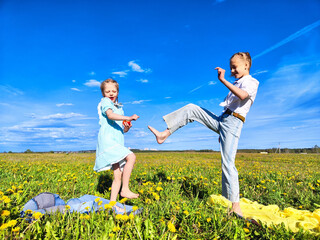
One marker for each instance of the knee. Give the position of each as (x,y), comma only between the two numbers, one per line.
(131,158)
(191,106)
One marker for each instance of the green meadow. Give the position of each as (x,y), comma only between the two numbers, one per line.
(174,188)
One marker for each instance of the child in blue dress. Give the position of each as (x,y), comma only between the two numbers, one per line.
(111,153)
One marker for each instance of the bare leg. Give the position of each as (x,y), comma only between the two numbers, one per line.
(160,136)
(125,191)
(116,184)
(236,208)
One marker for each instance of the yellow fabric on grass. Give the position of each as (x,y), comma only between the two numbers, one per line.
(272,215)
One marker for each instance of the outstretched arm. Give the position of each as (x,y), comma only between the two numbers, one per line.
(235,90)
(113,116)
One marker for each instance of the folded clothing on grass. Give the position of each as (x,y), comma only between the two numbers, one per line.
(48,203)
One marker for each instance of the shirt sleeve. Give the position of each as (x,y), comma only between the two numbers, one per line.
(106,104)
(251,87)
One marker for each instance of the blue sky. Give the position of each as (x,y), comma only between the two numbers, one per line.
(163,53)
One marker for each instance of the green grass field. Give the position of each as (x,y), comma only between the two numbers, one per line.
(174,188)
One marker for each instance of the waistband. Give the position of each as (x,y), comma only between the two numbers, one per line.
(237,115)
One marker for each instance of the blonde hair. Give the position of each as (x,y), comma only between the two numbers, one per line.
(109,80)
(245,56)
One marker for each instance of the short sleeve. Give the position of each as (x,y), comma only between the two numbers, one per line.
(250,86)
(106,104)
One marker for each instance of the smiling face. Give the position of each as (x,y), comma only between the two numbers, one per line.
(110,91)
(239,67)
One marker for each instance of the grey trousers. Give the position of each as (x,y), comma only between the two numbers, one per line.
(229,129)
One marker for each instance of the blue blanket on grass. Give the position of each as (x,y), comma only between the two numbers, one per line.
(48,203)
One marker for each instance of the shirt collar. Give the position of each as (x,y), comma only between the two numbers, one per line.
(240,80)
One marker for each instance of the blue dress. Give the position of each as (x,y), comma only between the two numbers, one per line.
(110,147)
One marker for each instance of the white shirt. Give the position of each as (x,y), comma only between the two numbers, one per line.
(235,104)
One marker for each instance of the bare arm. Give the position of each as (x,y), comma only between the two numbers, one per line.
(113,116)
(235,90)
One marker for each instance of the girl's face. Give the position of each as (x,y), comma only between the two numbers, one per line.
(110,91)
(239,67)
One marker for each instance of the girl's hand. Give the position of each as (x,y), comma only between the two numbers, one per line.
(134,117)
(127,125)
(221,73)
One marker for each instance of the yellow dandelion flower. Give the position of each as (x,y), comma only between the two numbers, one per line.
(116,229)
(12,223)
(1,193)
(4,226)
(118,217)
(159,189)
(246,230)
(140,191)
(171,227)
(125,217)
(67,207)
(99,203)
(107,206)
(208,219)
(134,208)
(112,203)
(148,201)
(186,212)
(5,213)
(10,190)
(123,200)
(111,235)
(84,216)
(97,199)
(37,215)
(17,229)
(6,199)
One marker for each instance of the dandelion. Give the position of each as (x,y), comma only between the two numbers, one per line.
(246,230)
(125,218)
(148,201)
(140,191)
(111,235)
(85,216)
(67,207)
(91,184)
(208,220)
(134,208)
(131,216)
(118,217)
(17,229)
(159,189)
(123,200)
(99,203)
(37,215)
(97,200)
(186,212)
(4,226)
(107,206)
(112,203)
(116,229)
(171,227)
(12,223)
(5,213)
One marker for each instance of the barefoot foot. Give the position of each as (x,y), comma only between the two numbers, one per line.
(160,136)
(129,194)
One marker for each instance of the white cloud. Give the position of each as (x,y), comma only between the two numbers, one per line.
(139,101)
(92,83)
(143,80)
(60,116)
(75,89)
(92,73)
(212,83)
(121,73)
(259,72)
(64,104)
(136,68)
(290,38)
(73,81)
(168,97)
